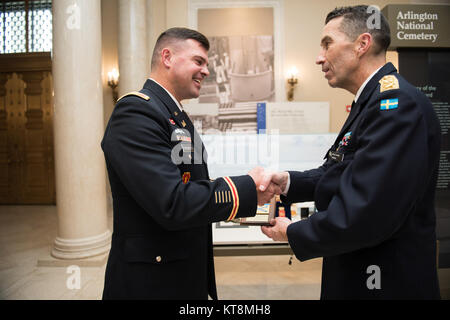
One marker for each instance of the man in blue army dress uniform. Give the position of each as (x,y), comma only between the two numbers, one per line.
(164,202)
(375,224)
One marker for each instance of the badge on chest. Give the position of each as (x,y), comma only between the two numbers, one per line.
(336,156)
(181,135)
(181,152)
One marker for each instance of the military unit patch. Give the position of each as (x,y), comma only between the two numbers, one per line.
(186,177)
(389,82)
(389,104)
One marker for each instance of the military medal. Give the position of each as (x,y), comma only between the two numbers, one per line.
(345,140)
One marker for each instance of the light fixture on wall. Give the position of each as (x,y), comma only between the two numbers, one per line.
(113,82)
(292,80)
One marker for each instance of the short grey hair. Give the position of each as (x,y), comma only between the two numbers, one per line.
(355,23)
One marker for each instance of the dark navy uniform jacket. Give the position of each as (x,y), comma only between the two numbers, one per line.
(375,225)
(164,202)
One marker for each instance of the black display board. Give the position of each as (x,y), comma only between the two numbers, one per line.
(429,71)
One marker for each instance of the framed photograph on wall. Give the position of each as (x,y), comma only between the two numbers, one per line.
(245,56)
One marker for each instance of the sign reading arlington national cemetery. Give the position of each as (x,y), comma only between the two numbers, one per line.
(419,25)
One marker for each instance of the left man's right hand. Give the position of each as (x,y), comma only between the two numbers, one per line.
(265,187)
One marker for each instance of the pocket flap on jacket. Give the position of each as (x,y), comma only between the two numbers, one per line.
(143,249)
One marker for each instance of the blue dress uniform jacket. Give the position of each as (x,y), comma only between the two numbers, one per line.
(375,219)
(164,202)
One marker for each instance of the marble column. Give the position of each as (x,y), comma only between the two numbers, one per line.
(78,130)
(134,58)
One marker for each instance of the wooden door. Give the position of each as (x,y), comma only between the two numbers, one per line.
(26,131)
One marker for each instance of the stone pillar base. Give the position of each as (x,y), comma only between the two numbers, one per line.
(46,260)
(82,248)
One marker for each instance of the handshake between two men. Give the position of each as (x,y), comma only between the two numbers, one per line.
(268,184)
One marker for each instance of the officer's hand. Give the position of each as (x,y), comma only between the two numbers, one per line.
(281,179)
(268,194)
(265,188)
(277,230)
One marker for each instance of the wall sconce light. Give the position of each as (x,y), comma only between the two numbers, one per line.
(113,82)
(292,81)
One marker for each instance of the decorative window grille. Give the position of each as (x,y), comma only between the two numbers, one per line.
(25,26)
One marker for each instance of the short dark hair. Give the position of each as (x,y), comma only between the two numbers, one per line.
(174,34)
(355,22)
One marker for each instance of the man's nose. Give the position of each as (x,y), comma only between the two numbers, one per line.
(320,58)
(205,71)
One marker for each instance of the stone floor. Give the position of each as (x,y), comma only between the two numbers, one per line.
(27,234)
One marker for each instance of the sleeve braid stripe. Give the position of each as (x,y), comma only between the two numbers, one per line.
(235,197)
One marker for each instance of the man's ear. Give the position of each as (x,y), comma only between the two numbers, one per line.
(166,57)
(363,43)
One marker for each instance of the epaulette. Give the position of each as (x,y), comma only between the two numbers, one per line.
(135,93)
(389,82)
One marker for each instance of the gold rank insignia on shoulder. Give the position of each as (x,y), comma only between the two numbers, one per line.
(389,82)
(183,123)
(135,93)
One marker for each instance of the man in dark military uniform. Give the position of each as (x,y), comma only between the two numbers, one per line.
(164,202)
(375,224)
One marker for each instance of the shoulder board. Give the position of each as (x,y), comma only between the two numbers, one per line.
(389,82)
(135,93)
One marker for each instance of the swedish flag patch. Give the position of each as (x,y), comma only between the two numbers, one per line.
(389,104)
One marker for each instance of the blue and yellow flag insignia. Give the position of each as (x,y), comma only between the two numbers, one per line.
(389,104)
